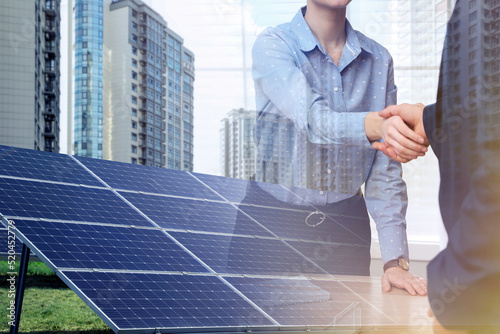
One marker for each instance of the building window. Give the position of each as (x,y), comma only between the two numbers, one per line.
(473,42)
(134,125)
(134,63)
(134,88)
(134,39)
(472,16)
(472,29)
(134,149)
(472,55)
(134,100)
(134,137)
(134,112)
(134,161)
(134,26)
(134,50)
(84,45)
(84,70)
(134,75)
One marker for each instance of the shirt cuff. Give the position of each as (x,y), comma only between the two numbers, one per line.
(393,243)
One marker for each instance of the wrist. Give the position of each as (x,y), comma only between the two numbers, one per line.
(401,263)
(373,123)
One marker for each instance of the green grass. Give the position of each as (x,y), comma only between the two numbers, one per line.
(48,305)
(34,268)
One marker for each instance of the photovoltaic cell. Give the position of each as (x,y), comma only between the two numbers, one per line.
(294,224)
(125,176)
(19,162)
(64,202)
(187,214)
(70,245)
(246,255)
(250,192)
(337,259)
(155,301)
(295,302)
(4,243)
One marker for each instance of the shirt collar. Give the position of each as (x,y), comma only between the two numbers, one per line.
(307,41)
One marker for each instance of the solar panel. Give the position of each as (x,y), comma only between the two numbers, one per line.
(294,302)
(85,246)
(4,245)
(304,225)
(246,255)
(252,193)
(150,249)
(24,163)
(131,301)
(188,214)
(21,198)
(124,176)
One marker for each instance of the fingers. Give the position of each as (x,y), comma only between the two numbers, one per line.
(404,280)
(386,283)
(416,285)
(410,134)
(390,111)
(388,151)
(409,287)
(404,141)
(420,286)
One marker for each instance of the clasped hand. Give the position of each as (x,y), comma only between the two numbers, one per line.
(402,131)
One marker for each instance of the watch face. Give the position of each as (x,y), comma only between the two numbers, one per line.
(404,264)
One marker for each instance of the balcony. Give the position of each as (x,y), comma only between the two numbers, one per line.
(50,8)
(50,68)
(49,113)
(49,130)
(50,90)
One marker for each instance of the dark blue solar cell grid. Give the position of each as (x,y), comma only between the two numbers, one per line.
(19,162)
(5,241)
(300,302)
(70,245)
(246,255)
(337,259)
(250,192)
(54,201)
(292,224)
(166,301)
(148,179)
(186,214)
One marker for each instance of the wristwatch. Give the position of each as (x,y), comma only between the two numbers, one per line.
(399,262)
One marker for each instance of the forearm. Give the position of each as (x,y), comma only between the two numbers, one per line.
(387,201)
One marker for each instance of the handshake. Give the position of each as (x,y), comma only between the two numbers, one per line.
(402,130)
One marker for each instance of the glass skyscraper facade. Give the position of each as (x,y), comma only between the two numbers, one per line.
(88,53)
(133,86)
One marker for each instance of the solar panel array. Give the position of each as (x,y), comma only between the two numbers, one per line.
(152,249)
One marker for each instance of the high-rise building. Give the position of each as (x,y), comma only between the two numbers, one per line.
(421,27)
(29,75)
(136,104)
(238,152)
(87,94)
